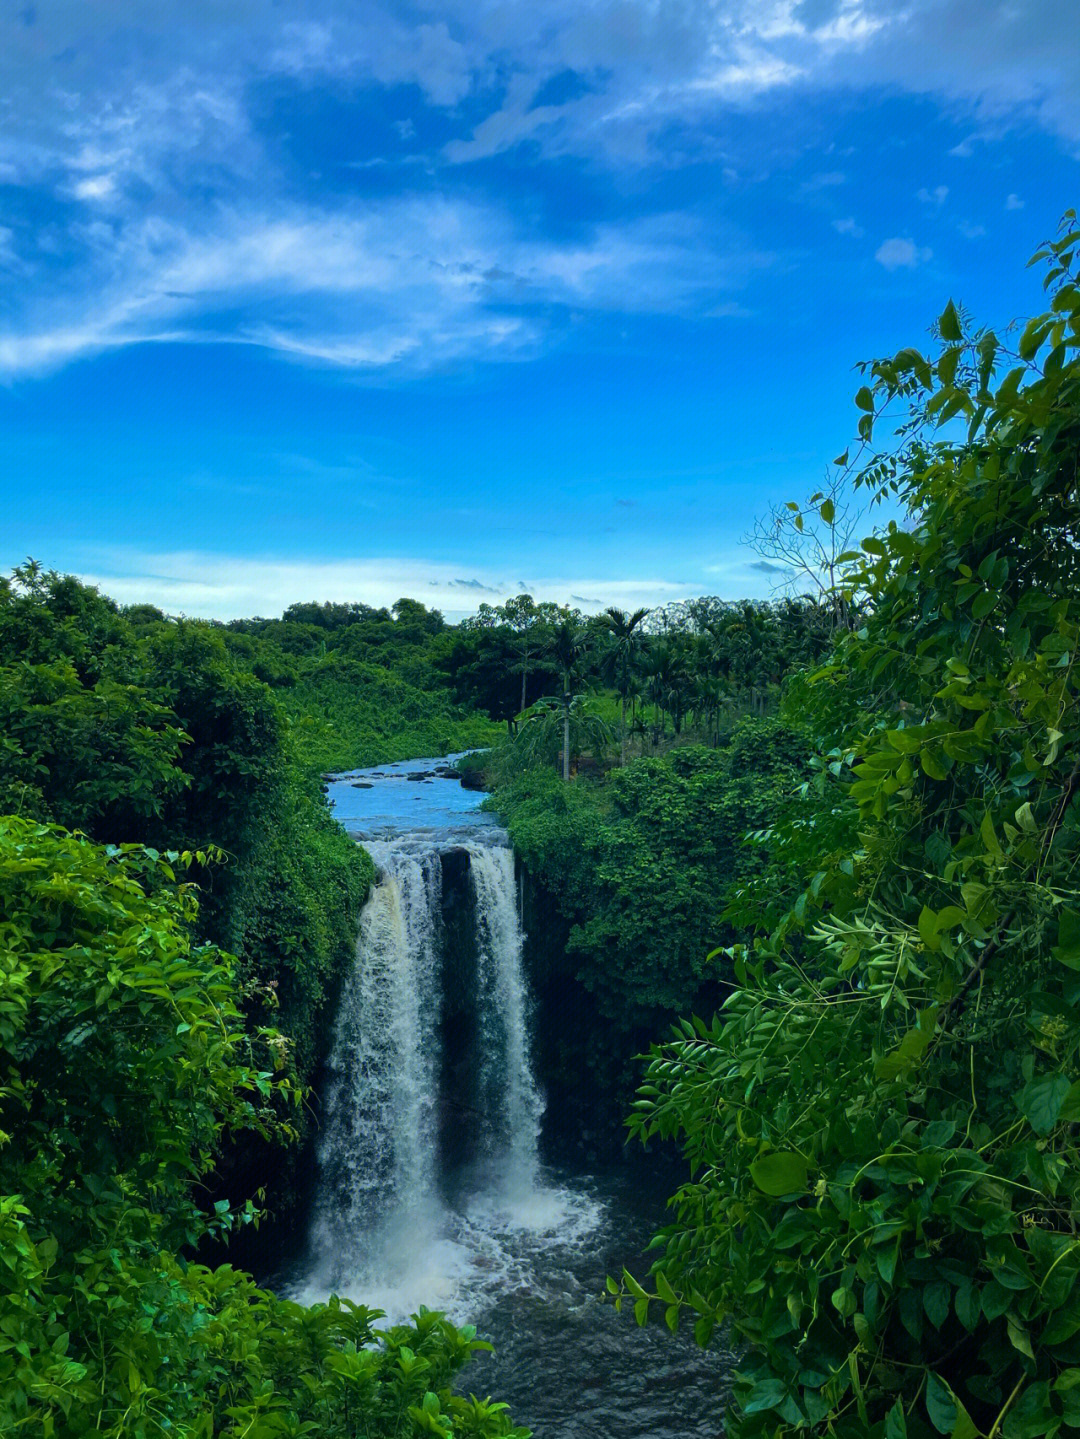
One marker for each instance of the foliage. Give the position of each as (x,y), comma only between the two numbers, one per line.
(626,887)
(350,714)
(701,664)
(124,1061)
(160,732)
(545,727)
(882,1122)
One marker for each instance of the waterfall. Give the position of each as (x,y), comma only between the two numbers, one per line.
(377,1152)
(510,1101)
(380,1193)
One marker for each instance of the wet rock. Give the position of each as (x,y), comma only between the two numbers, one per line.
(362,784)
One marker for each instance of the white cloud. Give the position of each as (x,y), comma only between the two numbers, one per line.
(221,586)
(937,196)
(848,226)
(416,280)
(153,80)
(828,180)
(97,187)
(1014,202)
(897,254)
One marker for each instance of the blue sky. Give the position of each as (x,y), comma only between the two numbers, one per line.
(354,301)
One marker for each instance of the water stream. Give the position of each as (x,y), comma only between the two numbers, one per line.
(430,1188)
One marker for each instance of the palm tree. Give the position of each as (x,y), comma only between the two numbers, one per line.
(539,736)
(567,647)
(661,668)
(620,659)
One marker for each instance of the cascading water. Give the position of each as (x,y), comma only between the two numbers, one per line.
(510,1102)
(429,1189)
(381,1199)
(377,1153)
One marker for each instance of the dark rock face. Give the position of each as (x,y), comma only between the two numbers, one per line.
(419,774)
(459,1027)
(362,784)
(472,779)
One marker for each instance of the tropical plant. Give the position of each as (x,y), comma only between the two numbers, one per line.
(882,1121)
(124,1063)
(557,730)
(620,658)
(567,647)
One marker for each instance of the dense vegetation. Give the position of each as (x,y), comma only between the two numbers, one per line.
(626,885)
(135,729)
(847,827)
(882,1121)
(628,870)
(124,1063)
(146,761)
(691,668)
(363,686)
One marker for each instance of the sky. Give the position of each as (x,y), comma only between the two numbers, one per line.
(356,301)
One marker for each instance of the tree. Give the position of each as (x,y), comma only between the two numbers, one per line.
(807,546)
(882,1122)
(124,1062)
(567,648)
(552,729)
(620,658)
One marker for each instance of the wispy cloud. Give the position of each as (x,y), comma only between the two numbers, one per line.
(411,281)
(179,216)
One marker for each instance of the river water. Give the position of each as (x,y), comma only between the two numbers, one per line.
(461,1216)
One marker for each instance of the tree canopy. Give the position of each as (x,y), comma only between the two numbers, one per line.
(882,1120)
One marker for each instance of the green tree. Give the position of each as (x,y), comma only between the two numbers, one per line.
(620,658)
(124,1063)
(882,1122)
(567,648)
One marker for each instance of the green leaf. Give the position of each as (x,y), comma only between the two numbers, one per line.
(928,929)
(1067,950)
(865,400)
(783,1172)
(989,837)
(940,1404)
(936,1303)
(1018,1336)
(827,511)
(766,1394)
(896,1422)
(968,1308)
(1041,1100)
(949,323)
(1070,1105)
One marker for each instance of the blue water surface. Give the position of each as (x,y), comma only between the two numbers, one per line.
(414,795)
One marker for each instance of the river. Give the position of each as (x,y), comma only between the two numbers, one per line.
(429,1186)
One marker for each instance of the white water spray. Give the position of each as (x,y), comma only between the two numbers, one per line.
(378,1150)
(510,1101)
